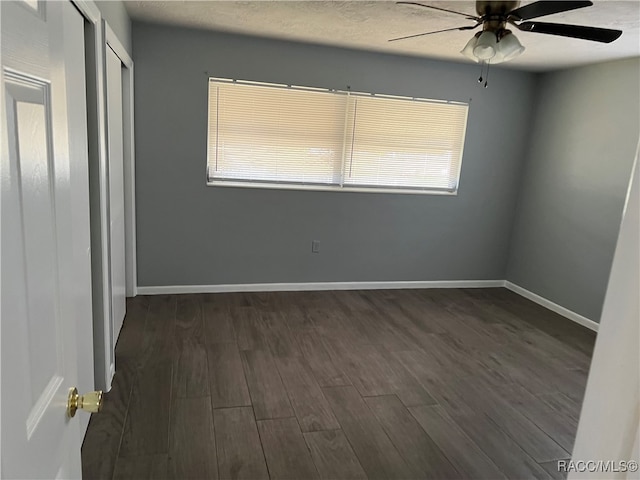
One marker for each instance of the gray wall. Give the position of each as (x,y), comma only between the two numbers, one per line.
(582,148)
(115,14)
(191,234)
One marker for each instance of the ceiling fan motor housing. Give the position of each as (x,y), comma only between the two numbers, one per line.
(495,8)
(494,15)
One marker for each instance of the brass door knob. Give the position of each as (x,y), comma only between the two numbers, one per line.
(89,402)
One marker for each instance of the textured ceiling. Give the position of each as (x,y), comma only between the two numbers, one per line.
(369,25)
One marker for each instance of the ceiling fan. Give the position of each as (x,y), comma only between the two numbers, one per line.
(496,44)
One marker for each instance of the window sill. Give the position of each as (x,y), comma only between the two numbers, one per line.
(328,188)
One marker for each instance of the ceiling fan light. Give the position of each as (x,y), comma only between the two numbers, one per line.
(486,46)
(510,47)
(498,58)
(467,51)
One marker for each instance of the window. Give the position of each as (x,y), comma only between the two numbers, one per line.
(295,137)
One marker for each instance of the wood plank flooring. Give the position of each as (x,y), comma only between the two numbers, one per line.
(401,384)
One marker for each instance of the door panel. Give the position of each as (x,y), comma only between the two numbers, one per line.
(116,190)
(30,253)
(28,122)
(41,279)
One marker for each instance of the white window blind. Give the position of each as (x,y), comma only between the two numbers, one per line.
(405,143)
(270,135)
(260,133)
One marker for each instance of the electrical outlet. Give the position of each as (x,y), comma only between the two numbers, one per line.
(315,246)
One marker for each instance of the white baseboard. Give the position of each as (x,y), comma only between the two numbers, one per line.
(303,287)
(317,286)
(565,312)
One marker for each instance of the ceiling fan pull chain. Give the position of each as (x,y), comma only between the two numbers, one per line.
(481,70)
(486,82)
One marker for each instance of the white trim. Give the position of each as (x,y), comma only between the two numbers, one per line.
(316,286)
(103,355)
(114,43)
(89,10)
(609,424)
(554,307)
(112,372)
(326,188)
(103,361)
(130,180)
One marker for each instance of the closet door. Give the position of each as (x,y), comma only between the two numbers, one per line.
(116,192)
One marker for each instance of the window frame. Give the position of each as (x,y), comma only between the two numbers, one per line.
(323,187)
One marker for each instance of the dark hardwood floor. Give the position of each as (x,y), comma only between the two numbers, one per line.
(439,384)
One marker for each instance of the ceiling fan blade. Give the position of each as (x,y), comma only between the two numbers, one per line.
(540,9)
(471,17)
(595,34)
(437,31)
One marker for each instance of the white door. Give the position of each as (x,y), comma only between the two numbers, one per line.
(45,236)
(116,192)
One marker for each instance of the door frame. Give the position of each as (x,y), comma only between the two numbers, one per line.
(103,333)
(608,428)
(97,143)
(103,37)
(111,41)
(129,160)
(103,357)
